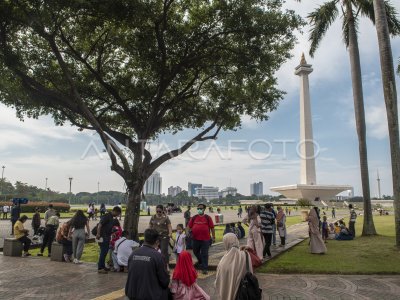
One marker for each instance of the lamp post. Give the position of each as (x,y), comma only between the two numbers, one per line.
(70,194)
(45,190)
(2,181)
(98,191)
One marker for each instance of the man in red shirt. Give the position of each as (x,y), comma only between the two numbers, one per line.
(200,226)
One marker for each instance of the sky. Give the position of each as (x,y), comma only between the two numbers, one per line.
(34,150)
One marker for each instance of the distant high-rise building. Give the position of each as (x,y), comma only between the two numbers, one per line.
(228,191)
(207,192)
(256,188)
(153,184)
(192,188)
(173,191)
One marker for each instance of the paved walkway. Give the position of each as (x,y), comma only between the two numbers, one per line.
(38,278)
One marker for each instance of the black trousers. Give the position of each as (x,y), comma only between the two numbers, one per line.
(26,242)
(48,238)
(268,241)
(283,240)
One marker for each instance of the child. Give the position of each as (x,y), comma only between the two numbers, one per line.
(325,229)
(180,243)
(337,228)
(184,286)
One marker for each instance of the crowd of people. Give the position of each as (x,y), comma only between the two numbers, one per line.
(152,255)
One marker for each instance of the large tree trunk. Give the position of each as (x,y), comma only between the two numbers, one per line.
(390,94)
(368,226)
(132,213)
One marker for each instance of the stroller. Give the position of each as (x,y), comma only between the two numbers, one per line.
(38,238)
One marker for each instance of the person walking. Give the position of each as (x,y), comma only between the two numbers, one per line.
(103,209)
(36,222)
(147,275)
(267,219)
(200,226)
(187,216)
(240,212)
(78,224)
(161,223)
(184,286)
(104,231)
(352,221)
(50,233)
(231,268)
(317,245)
(281,224)
(255,239)
(21,234)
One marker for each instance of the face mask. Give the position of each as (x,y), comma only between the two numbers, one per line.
(199,211)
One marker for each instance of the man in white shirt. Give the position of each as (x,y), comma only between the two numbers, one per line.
(122,250)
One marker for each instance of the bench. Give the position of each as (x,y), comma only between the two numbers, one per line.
(57,252)
(12,247)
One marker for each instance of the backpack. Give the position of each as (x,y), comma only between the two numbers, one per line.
(249,288)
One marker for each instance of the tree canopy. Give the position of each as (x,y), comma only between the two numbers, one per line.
(131,70)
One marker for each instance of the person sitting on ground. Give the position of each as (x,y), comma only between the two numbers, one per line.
(235,230)
(21,234)
(337,228)
(147,275)
(231,268)
(184,286)
(64,237)
(345,234)
(123,248)
(241,230)
(50,233)
(227,229)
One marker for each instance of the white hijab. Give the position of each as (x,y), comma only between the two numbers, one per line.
(231,269)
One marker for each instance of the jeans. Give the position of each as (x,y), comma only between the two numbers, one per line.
(268,240)
(200,250)
(67,246)
(78,241)
(104,246)
(49,235)
(26,242)
(274,234)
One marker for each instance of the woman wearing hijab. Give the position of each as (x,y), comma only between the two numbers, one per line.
(184,286)
(231,269)
(281,225)
(317,245)
(255,240)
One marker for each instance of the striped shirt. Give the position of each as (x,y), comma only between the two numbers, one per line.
(267,219)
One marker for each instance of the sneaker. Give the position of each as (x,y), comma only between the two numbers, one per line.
(40,254)
(66,258)
(107,269)
(77,261)
(102,271)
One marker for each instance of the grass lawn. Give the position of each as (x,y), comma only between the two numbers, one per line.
(364,255)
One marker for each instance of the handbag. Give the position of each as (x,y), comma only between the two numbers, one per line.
(255,260)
